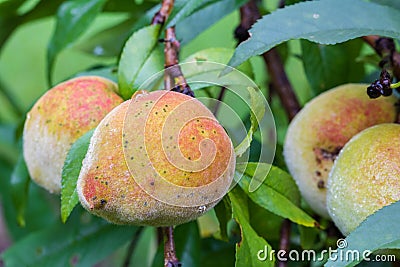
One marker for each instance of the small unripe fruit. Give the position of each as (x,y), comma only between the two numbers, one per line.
(320,130)
(365,176)
(149,152)
(58,119)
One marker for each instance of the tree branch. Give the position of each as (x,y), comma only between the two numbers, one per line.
(162,15)
(174,79)
(173,76)
(284,243)
(249,14)
(170,259)
(386,49)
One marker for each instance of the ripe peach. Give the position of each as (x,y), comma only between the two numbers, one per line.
(58,119)
(159,159)
(320,130)
(365,176)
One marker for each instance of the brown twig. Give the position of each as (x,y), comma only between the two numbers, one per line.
(249,14)
(162,15)
(281,83)
(284,242)
(174,79)
(173,76)
(170,259)
(386,49)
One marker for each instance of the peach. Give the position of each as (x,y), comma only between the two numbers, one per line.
(159,159)
(365,176)
(58,119)
(320,130)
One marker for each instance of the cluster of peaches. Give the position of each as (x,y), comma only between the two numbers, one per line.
(343,150)
(147,159)
(148,162)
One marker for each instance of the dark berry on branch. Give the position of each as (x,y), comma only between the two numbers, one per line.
(373,92)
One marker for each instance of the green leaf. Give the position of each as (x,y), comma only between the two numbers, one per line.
(184,8)
(73,18)
(278,193)
(223,211)
(206,16)
(134,9)
(257,110)
(70,174)
(109,72)
(8,151)
(110,41)
(327,66)
(216,253)
(80,244)
(380,230)
(107,42)
(20,188)
(250,245)
(325,22)
(218,55)
(390,3)
(138,55)
(187,244)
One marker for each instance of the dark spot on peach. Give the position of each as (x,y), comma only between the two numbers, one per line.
(321,184)
(326,154)
(318,173)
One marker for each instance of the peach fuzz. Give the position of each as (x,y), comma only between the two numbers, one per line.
(365,177)
(114,182)
(58,119)
(320,130)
